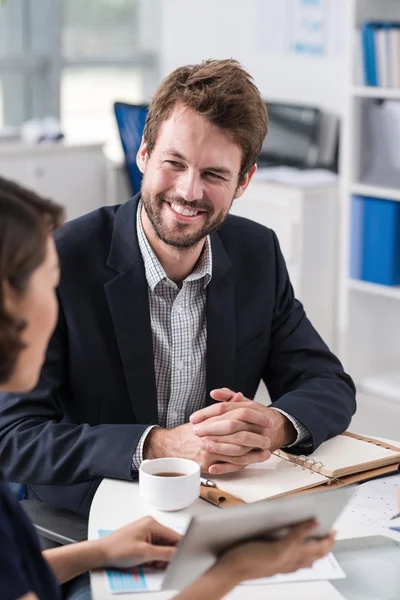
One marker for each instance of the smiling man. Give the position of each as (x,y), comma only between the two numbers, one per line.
(171,312)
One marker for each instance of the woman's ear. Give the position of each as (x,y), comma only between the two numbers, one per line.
(11,300)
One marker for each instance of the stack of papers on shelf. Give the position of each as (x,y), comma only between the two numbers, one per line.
(9,134)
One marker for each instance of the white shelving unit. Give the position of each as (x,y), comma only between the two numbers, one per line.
(375,191)
(365,91)
(369,314)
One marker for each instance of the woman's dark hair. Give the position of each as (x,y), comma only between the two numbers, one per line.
(25,223)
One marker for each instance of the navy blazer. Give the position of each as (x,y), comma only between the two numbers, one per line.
(97,391)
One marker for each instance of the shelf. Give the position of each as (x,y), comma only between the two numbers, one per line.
(366,91)
(375,191)
(382,385)
(375,289)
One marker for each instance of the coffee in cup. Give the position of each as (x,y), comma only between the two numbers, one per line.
(169,483)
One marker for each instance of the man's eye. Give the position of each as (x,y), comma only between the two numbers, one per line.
(174,163)
(213,175)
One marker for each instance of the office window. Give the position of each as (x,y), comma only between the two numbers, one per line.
(103,62)
(99,29)
(1,105)
(87,97)
(28,59)
(71,59)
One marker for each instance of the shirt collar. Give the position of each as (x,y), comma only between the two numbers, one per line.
(155,272)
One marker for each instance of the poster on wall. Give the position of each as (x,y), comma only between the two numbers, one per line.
(273,21)
(313,28)
(309,27)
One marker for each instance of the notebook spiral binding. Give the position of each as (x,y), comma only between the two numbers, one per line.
(314,466)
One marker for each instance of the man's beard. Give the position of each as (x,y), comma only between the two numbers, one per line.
(180,237)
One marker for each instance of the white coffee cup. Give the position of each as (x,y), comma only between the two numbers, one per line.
(169,492)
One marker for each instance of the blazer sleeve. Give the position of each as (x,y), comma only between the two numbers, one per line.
(39,446)
(302,376)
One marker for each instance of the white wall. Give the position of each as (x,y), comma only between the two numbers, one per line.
(192,30)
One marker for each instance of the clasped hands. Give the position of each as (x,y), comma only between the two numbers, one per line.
(224,437)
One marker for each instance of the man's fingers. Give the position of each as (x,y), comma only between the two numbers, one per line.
(232,422)
(225,449)
(253,437)
(223,468)
(222,394)
(237,443)
(222,408)
(254,456)
(226,395)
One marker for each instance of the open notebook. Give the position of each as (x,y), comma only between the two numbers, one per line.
(345,459)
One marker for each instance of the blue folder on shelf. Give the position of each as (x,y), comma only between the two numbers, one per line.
(356,237)
(372,75)
(381,241)
(369,54)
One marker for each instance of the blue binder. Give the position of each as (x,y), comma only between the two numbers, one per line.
(369,54)
(370,62)
(356,236)
(381,245)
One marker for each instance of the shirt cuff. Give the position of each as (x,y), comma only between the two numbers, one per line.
(303,435)
(137,457)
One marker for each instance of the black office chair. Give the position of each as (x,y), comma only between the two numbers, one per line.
(55,526)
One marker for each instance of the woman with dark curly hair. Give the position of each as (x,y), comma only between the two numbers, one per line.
(29,275)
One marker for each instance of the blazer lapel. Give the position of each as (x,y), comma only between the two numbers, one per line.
(127,298)
(221,322)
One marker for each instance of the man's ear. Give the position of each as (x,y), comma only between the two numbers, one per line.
(244,182)
(142,156)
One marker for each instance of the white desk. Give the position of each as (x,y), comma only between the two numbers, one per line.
(373,574)
(117,503)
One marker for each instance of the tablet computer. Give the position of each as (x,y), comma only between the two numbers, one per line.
(210,534)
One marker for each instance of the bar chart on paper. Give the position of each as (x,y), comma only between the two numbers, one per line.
(135,579)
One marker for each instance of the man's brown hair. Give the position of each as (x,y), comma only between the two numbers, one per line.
(25,222)
(224,94)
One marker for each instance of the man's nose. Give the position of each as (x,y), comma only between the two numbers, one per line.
(190,186)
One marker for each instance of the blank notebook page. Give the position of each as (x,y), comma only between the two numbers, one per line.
(344,455)
(269,479)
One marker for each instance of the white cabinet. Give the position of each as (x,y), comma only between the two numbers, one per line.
(73,175)
(304,220)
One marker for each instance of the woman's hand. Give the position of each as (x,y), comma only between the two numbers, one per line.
(144,541)
(257,559)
